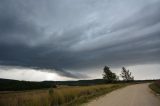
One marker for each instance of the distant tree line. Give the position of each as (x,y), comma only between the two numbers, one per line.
(109,76)
(14,85)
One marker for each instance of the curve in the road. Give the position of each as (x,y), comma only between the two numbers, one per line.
(134,95)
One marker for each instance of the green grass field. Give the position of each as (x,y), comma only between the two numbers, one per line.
(67,95)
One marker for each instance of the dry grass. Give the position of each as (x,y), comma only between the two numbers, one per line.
(57,96)
(155,86)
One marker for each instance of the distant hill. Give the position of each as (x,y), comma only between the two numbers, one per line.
(15,85)
(81,82)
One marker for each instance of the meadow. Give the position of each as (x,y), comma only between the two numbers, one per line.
(60,96)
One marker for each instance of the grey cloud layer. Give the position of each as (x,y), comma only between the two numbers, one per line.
(75,35)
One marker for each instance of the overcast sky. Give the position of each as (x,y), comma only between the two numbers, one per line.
(75,39)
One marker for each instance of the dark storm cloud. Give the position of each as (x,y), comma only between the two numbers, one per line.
(75,35)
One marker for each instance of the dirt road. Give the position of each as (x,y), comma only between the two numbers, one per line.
(134,95)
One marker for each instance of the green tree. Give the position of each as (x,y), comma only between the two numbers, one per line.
(108,75)
(126,75)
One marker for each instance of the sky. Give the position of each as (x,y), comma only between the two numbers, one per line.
(75,39)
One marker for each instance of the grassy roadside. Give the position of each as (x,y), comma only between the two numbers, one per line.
(155,86)
(65,96)
(96,94)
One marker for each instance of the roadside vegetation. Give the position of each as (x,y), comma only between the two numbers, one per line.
(155,86)
(66,96)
